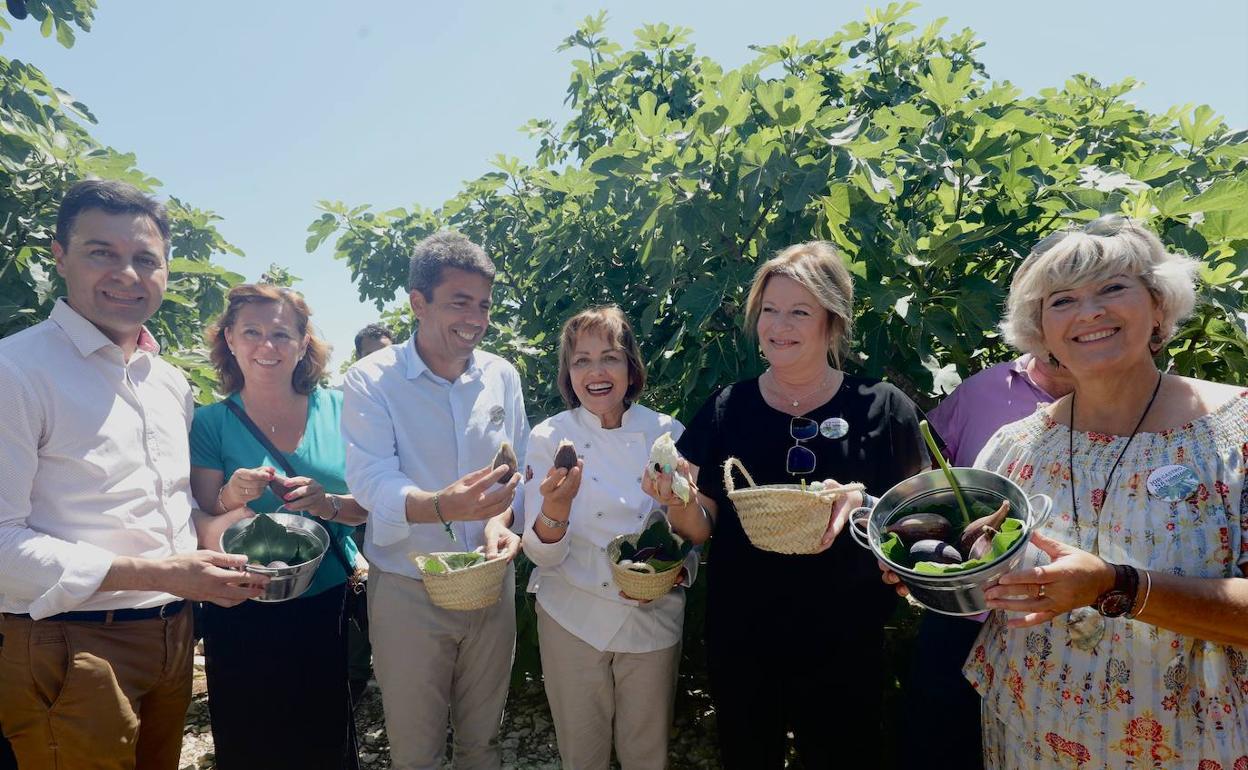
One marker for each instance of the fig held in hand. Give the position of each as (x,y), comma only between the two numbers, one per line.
(565,455)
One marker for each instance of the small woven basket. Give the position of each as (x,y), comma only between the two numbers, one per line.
(645,586)
(783,518)
(471,588)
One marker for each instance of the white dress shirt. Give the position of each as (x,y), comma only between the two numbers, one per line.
(407,429)
(94,463)
(573,581)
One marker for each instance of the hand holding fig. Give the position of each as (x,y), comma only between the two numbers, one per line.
(245,485)
(670,488)
(559,489)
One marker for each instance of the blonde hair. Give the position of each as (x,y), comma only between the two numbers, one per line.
(610,322)
(308,371)
(1077,257)
(818,267)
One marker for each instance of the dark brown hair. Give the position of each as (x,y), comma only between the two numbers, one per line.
(111,197)
(610,322)
(308,371)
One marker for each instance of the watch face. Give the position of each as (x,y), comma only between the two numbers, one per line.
(1114,604)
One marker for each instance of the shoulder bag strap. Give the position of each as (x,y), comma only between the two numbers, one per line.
(281,459)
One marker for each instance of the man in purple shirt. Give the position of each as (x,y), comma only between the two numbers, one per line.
(939,698)
(997,396)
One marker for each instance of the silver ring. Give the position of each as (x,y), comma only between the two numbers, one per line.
(1040,591)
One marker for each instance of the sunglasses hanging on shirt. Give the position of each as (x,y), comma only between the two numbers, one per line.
(800,460)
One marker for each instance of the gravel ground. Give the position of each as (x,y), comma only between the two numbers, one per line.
(528,737)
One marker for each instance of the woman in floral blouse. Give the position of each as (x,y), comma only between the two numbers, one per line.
(1128,646)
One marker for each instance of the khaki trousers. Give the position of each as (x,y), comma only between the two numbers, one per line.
(591,692)
(428,660)
(96,696)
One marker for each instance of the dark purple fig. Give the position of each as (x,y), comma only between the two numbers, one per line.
(565,455)
(506,456)
(278,486)
(982,546)
(935,550)
(979,526)
(920,526)
(642,554)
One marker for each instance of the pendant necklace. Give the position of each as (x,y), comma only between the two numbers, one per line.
(1070,432)
(797,401)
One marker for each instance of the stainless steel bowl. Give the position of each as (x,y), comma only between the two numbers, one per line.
(958,593)
(285,583)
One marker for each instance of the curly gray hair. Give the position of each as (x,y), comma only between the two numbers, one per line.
(1111,245)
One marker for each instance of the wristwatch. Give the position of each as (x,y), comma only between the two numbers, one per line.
(552,523)
(1119,600)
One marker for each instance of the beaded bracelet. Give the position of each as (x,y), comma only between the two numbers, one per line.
(437,509)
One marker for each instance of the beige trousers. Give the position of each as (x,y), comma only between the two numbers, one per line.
(592,692)
(96,696)
(429,660)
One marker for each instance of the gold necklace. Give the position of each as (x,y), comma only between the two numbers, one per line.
(775,389)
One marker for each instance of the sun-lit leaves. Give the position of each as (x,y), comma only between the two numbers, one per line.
(44,148)
(673,179)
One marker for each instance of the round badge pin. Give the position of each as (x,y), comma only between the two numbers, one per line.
(1172,483)
(833,427)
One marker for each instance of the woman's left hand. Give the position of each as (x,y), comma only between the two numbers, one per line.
(500,541)
(1075,578)
(305,494)
(659,485)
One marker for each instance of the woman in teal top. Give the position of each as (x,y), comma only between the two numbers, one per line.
(277,672)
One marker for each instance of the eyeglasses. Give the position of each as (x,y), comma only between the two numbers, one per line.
(1106,227)
(800,461)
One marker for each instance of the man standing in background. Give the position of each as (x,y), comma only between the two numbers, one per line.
(939,697)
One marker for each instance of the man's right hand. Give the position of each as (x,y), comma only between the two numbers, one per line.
(210,576)
(478,495)
(207,576)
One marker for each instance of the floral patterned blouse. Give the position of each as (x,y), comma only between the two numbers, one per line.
(1091,692)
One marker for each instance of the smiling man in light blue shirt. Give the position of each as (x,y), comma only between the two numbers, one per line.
(423,421)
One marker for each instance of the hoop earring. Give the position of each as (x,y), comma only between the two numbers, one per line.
(1155,342)
(1053,360)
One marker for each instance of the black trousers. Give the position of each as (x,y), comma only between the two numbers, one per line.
(827,691)
(7,760)
(939,700)
(277,684)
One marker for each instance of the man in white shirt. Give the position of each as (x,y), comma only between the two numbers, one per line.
(423,421)
(97,547)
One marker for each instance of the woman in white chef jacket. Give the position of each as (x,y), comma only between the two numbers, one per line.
(609,662)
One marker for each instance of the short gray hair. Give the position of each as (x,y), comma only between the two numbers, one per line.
(1076,257)
(442,250)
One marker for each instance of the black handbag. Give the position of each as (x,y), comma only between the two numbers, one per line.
(355,605)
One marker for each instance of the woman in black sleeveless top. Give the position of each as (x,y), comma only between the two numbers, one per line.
(795,642)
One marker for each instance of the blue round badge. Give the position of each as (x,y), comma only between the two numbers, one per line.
(1173,483)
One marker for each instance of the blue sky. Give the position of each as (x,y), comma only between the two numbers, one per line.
(257,110)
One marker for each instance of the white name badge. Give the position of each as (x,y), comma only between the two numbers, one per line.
(1172,483)
(833,427)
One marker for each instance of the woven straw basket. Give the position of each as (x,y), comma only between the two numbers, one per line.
(784,518)
(639,585)
(471,588)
